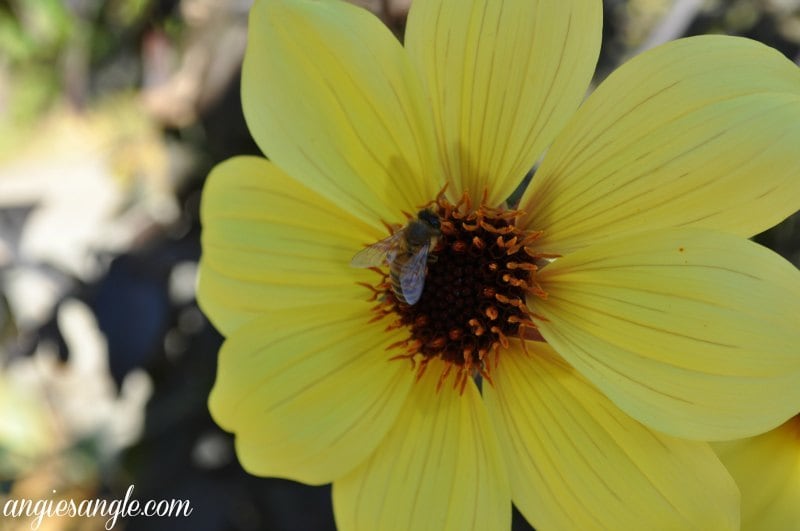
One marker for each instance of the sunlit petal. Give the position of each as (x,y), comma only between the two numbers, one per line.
(576,461)
(691,332)
(329,95)
(438,469)
(767,470)
(271,243)
(503,78)
(309,392)
(699,132)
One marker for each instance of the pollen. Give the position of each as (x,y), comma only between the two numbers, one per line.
(479,277)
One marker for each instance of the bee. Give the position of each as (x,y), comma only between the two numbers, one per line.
(406,251)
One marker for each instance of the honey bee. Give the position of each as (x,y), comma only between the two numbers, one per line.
(406,251)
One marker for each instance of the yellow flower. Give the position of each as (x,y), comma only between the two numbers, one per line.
(662,324)
(767,470)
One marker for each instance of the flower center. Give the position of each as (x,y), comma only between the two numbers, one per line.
(479,274)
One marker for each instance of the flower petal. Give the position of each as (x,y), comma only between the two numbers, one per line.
(330,97)
(503,79)
(699,132)
(270,243)
(439,468)
(578,462)
(691,332)
(767,470)
(309,392)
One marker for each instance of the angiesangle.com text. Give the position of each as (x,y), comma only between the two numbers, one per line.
(112,510)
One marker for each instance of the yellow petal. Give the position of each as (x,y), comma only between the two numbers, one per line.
(309,392)
(767,470)
(691,332)
(503,79)
(699,132)
(271,243)
(330,97)
(576,461)
(438,469)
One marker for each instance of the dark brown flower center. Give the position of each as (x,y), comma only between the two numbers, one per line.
(474,301)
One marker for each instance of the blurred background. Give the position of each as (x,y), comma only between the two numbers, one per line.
(112,112)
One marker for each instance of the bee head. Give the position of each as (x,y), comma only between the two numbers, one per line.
(430,218)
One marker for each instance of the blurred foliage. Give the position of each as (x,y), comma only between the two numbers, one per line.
(78,50)
(132,81)
(32,37)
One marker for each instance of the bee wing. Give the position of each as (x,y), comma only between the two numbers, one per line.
(377,253)
(412,275)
